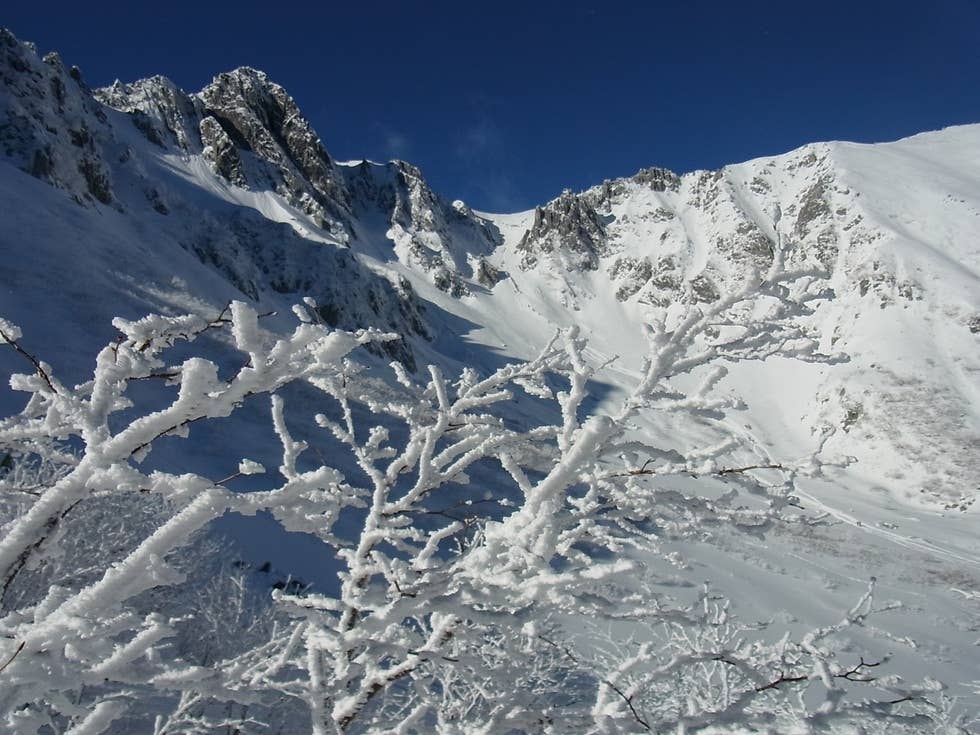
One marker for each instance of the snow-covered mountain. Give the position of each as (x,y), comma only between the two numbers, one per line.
(895,226)
(167,191)
(142,196)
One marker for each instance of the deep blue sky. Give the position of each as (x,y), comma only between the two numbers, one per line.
(504,104)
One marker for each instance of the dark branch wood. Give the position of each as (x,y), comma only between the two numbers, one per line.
(151,376)
(723,471)
(628,700)
(13,656)
(163,433)
(852,674)
(731,470)
(33,360)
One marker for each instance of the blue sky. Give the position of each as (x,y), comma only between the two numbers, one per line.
(504,104)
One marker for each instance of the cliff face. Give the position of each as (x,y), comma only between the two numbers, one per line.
(253,136)
(245,109)
(50,126)
(161,111)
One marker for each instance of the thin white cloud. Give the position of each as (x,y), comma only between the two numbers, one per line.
(397,144)
(480,139)
(394,143)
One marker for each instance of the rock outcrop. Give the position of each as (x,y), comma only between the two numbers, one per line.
(568,229)
(261,118)
(50,126)
(159,109)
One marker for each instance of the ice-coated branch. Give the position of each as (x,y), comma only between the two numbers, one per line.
(469,538)
(89,636)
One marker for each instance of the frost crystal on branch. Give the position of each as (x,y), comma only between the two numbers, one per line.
(472,544)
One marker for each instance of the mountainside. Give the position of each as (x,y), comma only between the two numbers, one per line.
(143,197)
(235,179)
(894,226)
(219,176)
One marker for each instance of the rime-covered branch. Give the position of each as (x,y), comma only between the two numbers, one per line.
(468,538)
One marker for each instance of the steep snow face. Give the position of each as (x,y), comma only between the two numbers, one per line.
(908,314)
(894,227)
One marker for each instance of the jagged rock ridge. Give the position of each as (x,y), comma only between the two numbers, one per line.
(104,147)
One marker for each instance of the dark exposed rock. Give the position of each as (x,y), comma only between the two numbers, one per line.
(888,288)
(666,282)
(485,273)
(80,138)
(50,127)
(267,120)
(428,233)
(415,202)
(415,226)
(658,179)
(41,165)
(748,245)
(631,274)
(156,201)
(450,282)
(162,111)
(569,227)
(814,219)
(704,289)
(813,206)
(705,188)
(221,153)
(96,179)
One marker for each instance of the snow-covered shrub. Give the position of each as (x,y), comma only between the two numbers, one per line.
(475,542)
(85,655)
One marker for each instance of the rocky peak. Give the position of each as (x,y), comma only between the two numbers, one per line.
(416,203)
(253,135)
(162,111)
(568,228)
(658,179)
(433,235)
(259,117)
(50,126)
